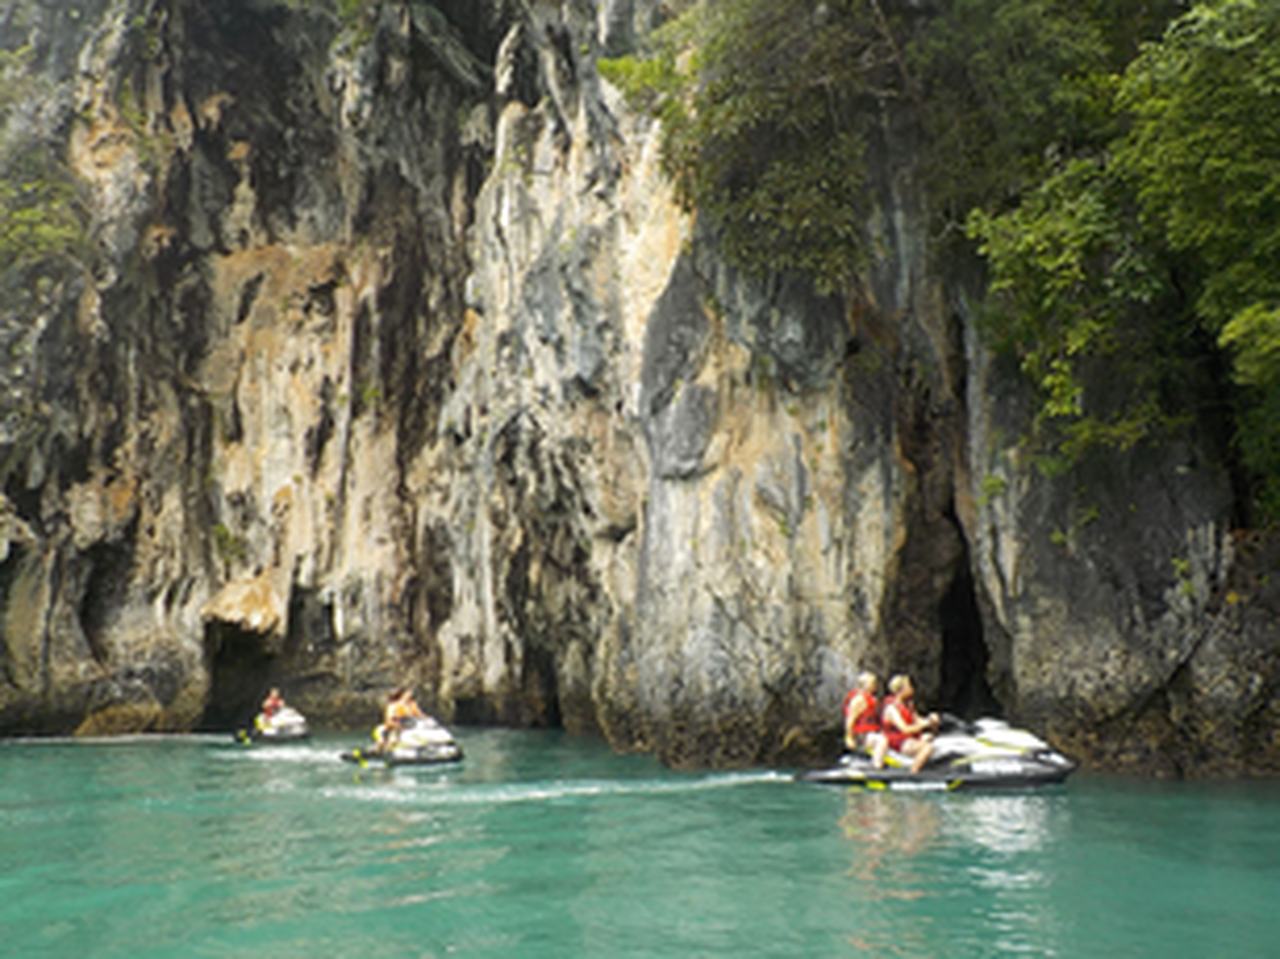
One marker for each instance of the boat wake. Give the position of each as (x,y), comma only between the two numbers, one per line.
(115,739)
(277,754)
(452,793)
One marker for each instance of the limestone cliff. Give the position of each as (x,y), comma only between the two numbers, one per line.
(390,357)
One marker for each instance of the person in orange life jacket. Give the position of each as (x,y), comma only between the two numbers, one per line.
(388,731)
(409,708)
(400,706)
(862,728)
(907,732)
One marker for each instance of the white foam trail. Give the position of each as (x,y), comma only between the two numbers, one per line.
(268,753)
(120,739)
(457,794)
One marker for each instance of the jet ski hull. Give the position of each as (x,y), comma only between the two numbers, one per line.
(985,754)
(424,756)
(281,736)
(421,742)
(994,774)
(287,726)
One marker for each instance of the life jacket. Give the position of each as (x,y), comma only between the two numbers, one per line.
(895,735)
(868,720)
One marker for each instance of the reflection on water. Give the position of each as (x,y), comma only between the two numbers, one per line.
(891,835)
(890,831)
(952,875)
(1012,823)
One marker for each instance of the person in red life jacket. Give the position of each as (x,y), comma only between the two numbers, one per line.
(273,703)
(906,732)
(862,728)
(270,706)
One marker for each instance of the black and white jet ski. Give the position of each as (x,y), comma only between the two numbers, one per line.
(285,725)
(983,754)
(422,742)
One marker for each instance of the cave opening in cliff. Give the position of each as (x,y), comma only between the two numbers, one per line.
(240,673)
(965,690)
(542,695)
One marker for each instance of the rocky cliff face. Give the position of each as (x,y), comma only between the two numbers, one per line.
(390,358)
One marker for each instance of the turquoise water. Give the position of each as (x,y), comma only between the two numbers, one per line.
(541,844)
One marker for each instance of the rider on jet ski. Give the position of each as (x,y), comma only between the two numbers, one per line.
(862,728)
(906,732)
(401,706)
(273,703)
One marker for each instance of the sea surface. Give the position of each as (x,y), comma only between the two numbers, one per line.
(542,844)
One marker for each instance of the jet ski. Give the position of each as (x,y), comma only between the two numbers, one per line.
(983,754)
(422,742)
(285,725)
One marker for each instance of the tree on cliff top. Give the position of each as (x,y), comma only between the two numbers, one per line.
(1204,156)
(1120,181)
(766,108)
(1160,250)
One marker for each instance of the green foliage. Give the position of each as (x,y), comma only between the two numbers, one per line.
(38,220)
(347,10)
(350,10)
(1006,87)
(1073,281)
(993,487)
(766,107)
(1116,162)
(1157,249)
(230,546)
(651,84)
(1204,148)
(1204,157)
(40,217)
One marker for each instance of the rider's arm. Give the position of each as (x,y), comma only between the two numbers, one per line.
(920,725)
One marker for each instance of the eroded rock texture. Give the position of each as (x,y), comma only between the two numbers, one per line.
(390,357)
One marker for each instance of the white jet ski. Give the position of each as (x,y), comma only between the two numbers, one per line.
(983,754)
(285,725)
(422,742)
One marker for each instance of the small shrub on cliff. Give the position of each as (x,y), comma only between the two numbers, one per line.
(231,547)
(40,216)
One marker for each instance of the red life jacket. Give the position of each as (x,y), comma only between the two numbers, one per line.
(895,735)
(868,720)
